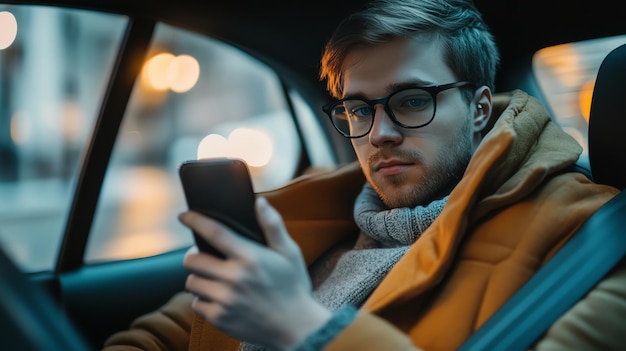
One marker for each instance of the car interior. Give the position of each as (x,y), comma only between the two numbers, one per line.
(80,296)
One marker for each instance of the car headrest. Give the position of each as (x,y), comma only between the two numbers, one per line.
(607,121)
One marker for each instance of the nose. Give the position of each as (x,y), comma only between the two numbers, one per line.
(384,131)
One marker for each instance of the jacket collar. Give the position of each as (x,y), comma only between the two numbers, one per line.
(522,148)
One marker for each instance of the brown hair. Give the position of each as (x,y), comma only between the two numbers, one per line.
(469,47)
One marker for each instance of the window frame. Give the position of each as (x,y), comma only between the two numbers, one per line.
(127,67)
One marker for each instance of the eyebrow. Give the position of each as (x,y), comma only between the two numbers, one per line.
(409,84)
(391,88)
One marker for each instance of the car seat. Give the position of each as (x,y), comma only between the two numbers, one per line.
(607,121)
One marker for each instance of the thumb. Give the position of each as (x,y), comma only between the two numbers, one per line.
(275,231)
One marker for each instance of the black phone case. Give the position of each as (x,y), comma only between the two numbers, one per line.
(222,189)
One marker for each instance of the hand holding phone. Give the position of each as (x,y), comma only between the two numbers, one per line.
(221,188)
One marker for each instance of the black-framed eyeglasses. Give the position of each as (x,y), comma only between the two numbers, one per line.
(412,107)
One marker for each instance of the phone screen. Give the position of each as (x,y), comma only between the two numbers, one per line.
(222,189)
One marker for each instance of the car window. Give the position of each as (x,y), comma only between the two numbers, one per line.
(566,74)
(54,66)
(197,97)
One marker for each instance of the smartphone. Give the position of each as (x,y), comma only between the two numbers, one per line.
(221,188)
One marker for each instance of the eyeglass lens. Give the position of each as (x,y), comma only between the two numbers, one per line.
(411,108)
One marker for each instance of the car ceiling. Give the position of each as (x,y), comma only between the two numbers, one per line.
(520,27)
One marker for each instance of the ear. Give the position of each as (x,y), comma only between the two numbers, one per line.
(482,107)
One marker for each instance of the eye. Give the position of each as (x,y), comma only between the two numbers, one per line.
(361,111)
(411,100)
(358,109)
(414,102)
(339,112)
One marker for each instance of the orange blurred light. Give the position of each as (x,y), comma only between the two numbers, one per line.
(183,73)
(156,71)
(584,98)
(141,204)
(73,120)
(20,127)
(177,73)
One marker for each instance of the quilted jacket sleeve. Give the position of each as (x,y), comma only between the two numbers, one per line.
(596,322)
(370,333)
(167,328)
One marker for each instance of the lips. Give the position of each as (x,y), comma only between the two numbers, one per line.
(391,167)
(390,163)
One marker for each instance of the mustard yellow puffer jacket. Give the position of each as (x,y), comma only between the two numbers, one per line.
(515,206)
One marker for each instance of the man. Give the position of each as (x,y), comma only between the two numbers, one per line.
(459,209)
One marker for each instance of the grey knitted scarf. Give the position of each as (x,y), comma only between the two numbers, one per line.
(348,276)
(385,236)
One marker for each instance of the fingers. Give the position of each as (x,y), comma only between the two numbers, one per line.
(218,235)
(208,290)
(209,310)
(269,219)
(273,226)
(204,265)
(253,283)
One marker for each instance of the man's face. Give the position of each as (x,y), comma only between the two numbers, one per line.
(410,167)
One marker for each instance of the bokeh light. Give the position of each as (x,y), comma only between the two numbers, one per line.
(584,98)
(183,73)
(8,29)
(156,70)
(211,146)
(253,146)
(177,73)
